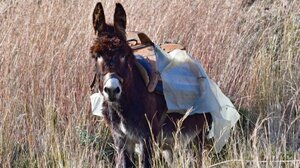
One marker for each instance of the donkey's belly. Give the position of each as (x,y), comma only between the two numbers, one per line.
(192,126)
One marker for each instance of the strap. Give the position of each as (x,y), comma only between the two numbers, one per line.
(138,47)
(145,39)
(112,75)
(93,82)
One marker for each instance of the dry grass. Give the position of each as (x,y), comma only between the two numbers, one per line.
(250,49)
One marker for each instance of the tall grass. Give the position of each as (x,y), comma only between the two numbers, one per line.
(250,48)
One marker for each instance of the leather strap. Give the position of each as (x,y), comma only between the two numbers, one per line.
(112,75)
(93,83)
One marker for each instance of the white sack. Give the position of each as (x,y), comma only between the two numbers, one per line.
(186,85)
(97,104)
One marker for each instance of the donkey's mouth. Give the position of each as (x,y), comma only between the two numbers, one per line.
(112,94)
(112,99)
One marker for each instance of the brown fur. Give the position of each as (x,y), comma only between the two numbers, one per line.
(137,114)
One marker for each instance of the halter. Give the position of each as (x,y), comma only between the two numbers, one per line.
(112,75)
(106,78)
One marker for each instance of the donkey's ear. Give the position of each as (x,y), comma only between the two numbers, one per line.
(99,18)
(120,19)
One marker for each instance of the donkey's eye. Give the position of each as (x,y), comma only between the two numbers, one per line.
(93,55)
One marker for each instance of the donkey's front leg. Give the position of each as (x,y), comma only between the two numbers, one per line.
(146,153)
(124,148)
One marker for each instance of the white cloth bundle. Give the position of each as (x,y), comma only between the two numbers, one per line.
(187,86)
(97,104)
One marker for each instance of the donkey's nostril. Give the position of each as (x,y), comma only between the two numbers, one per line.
(112,90)
(106,90)
(117,90)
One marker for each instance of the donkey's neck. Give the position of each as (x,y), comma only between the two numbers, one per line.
(136,91)
(134,95)
(137,107)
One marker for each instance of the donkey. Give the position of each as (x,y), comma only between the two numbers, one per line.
(134,115)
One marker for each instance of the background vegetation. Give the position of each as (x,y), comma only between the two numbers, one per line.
(250,48)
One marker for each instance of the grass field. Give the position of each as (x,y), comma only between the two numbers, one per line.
(250,48)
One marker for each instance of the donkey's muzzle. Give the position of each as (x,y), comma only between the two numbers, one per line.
(112,93)
(112,87)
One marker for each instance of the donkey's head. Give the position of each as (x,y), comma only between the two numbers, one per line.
(111,52)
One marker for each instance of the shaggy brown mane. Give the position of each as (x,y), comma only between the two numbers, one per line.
(106,43)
